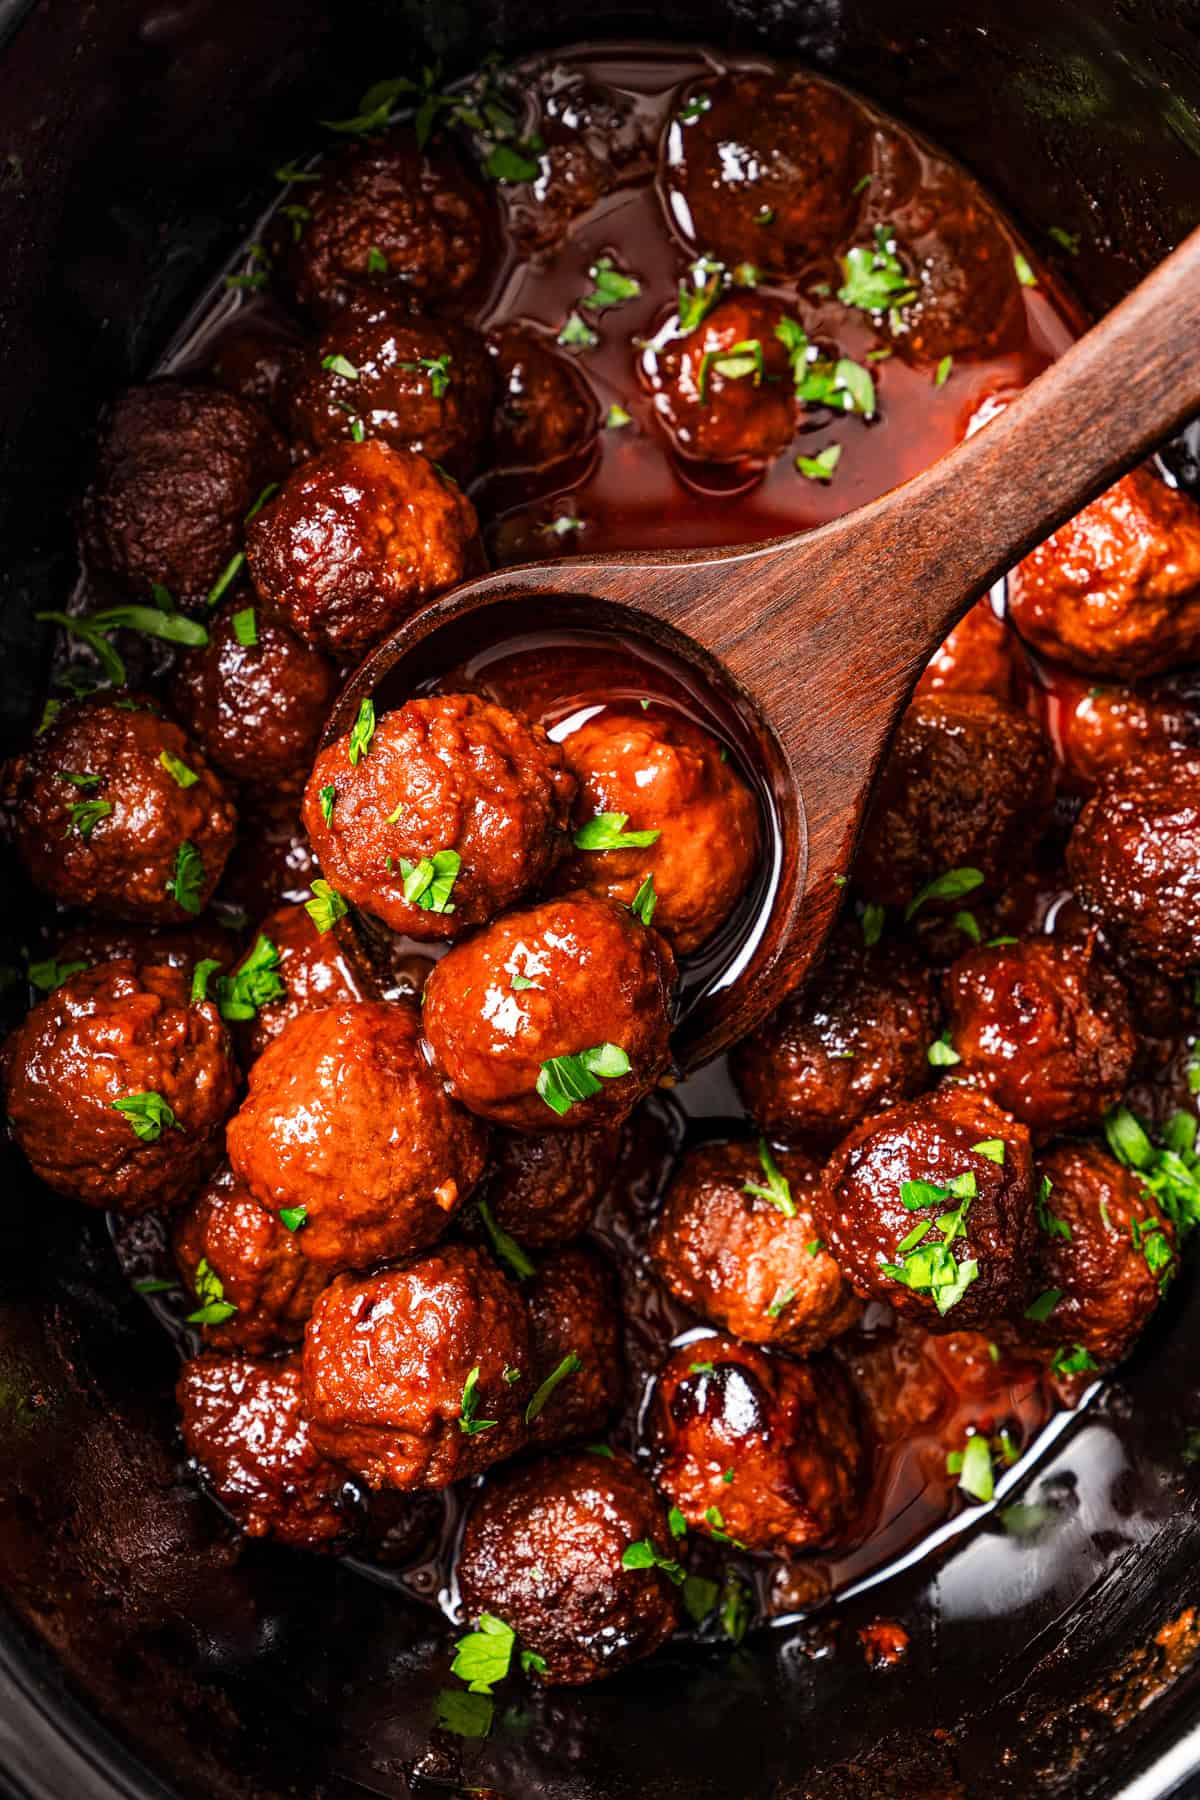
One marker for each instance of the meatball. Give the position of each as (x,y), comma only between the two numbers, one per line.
(248,1261)
(254,355)
(452,812)
(1044,1028)
(662,774)
(968,784)
(965,294)
(575,1331)
(1104,1249)
(788,1432)
(593,138)
(178,469)
(1100,731)
(544,1190)
(386,220)
(544,1550)
(117,1086)
(312,970)
(96,940)
(929,1206)
(356,540)
(117,810)
(724,391)
(1116,590)
(765,168)
(419,1375)
(346,1120)
(243,1424)
(979,657)
(1134,860)
(255,697)
(546,411)
(416,384)
(751,1264)
(853,1040)
(556,1016)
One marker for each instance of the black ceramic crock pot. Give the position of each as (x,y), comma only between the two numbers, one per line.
(1053,1648)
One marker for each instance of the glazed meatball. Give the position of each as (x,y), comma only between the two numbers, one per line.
(664,775)
(544,1550)
(356,540)
(788,1430)
(416,384)
(724,391)
(312,969)
(1116,590)
(1044,1028)
(117,810)
(764,168)
(575,1332)
(966,297)
(254,355)
(117,1086)
(593,138)
(546,411)
(1134,860)
(345,1119)
(386,221)
(1103,1248)
(454,811)
(979,657)
(752,1265)
(178,469)
(968,784)
(243,1424)
(557,1016)
(929,1207)
(248,1261)
(544,1190)
(1101,731)
(853,1040)
(419,1375)
(255,697)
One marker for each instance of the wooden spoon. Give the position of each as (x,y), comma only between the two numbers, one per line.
(819,638)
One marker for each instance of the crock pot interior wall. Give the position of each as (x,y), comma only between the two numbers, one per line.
(1050,1654)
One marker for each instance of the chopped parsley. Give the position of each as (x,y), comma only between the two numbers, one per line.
(698,296)
(1074,1361)
(326,906)
(611,287)
(254,983)
(245,627)
(203,972)
(821,466)
(606,831)
(1066,240)
(967,923)
(226,578)
(783,1296)
(437,368)
(643,1555)
(328,796)
(736,1604)
(742,359)
(714,1519)
(576,334)
(618,418)
(429,883)
(293,1218)
(377,262)
(85,815)
(267,493)
(186,886)
(874,279)
(341,365)
(1170,1171)
(51,974)
(570,1365)
(928,1267)
(1025,274)
(465,1714)
(676,1523)
(775,1186)
(942,372)
(504,1244)
(645,901)
(841,384)
(694,109)
(214,1308)
(1039,1310)
(518,983)
(484,1656)
(873,918)
(509,163)
(469,1422)
(147,1115)
(941,1053)
(699,1597)
(177,769)
(992,1148)
(973,1466)
(80,781)
(950,886)
(565,1080)
(1049,1222)
(362,731)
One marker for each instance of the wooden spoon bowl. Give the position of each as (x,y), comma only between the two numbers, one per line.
(813,643)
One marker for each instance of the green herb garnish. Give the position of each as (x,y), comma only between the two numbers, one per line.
(566,1080)
(147,1115)
(775,1188)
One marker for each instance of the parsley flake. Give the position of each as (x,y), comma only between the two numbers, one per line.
(214,1308)
(643,1555)
(328,796)
(437,368)
(942,372)
(606,831)
(430,882)
(177,769)
(941,1054)
(362,731)
(565,1080)
(874,279)
(293,1218)
(85,815)
(326,906)
(950,886)
(777,1188)
(576,334)
(821,466)
(254,983)
(1025,274)
(186,886)
(504,1244)
(992,1148)
(873,919)
(51,974)
(612,288)
(484,1656)
(618,418)
(245,627)
(570,1365)
(783,1296)
(202,974)
(645,901)
(469,1423)
(147,1115)
(341,365)
(1039,1310)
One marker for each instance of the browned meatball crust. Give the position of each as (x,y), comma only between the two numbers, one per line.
(855,1039)
(251,1262)
(746,1262)
(416,384)
(543,1550)
(720,402)
(1134,860)
(448,774)
(788,1430)
(1101,731)
(589,978)
(356,540)
(546,411)
(345,1118)
(419,1375)
(968,784)
(243,1423)
(313,971)
(255,697)
(665,775)
(1116,590)
(1044,1028)
(178,469)
(979,657)
(966,294)
(386,221)
(117,1085)
(920,1165)
(544,1190)
(763,167)
(116,809)
(575,1332)
(1103,1248)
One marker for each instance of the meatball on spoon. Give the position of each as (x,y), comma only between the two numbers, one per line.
(816,640)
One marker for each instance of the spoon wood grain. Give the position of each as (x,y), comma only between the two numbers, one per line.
(824,634)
